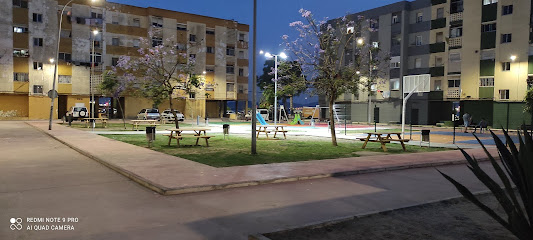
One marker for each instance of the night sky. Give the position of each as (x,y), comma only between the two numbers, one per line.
(273,16)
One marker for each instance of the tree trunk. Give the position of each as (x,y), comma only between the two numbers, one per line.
(173,112)
(122,111)
(291,102)
(332,121)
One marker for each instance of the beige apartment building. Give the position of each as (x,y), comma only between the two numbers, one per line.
(219,46)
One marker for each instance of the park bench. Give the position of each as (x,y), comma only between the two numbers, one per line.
(198,137)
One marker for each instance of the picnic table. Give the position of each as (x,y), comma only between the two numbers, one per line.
(88,120)
(384,138)
(277,129)
(136,123)
(176,133)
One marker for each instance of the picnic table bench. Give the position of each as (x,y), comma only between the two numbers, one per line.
(197,135)
(88,120)
(383,138)
(277,129)
(136,123)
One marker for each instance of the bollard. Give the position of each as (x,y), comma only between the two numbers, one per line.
(150,135)
(197,120)
(206,122)
(225,128)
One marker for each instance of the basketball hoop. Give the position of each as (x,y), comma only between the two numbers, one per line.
(385,94)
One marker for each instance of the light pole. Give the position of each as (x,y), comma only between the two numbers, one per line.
(284,56)
(93,57)
(55,66)
(254,83)
(360,42)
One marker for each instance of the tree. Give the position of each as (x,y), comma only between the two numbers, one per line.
(320,50)
(115,87)
(291,82)
(161,71)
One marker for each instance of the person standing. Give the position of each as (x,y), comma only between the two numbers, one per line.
(466,120)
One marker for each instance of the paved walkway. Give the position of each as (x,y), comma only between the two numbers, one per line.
(173,175)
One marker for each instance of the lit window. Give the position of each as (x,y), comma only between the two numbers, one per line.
(504,94)
(487,2)
(38,89)
(486,82)
(506,66)
(65,79)
(37,65)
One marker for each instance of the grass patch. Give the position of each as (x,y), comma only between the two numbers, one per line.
(235,150)
(392,130)
(119,126)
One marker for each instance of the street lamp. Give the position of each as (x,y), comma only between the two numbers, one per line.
(55,67)
(284,56)
(93,57)
(360,41)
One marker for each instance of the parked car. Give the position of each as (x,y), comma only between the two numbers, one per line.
(149,114)
(168,116)
(228,112)
(77,112)
(248,116)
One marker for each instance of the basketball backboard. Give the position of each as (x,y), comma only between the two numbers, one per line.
(419,83)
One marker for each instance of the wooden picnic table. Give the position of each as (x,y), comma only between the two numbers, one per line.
(384,138)
(277,129)
(176,133)
(87,120)
(136,123)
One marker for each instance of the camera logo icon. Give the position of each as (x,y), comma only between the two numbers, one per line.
(16,223)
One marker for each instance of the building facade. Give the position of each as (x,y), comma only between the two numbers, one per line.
(480,62)
(219,46)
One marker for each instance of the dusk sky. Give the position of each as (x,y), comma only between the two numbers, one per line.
(273,16)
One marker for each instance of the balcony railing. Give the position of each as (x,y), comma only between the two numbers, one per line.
(455,42)
(435,2)
(453,93)
(230,95)
(437,47)
(438,23)
(436,71)
(456,17)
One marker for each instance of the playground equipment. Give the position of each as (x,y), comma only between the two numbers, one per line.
(283,114)
(413,84)
(297,119)
(317,110)
(260,118)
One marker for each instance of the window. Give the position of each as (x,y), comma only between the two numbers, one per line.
(486,82)
(20,29)
(487,2)
(438,62)
(114,19)
(97,57)
(230,51)
(506,66)
(374,24)
(241,54)
(456,6)
(506,10)
(440,13)
(157,22)
(418,63)
(230,69)
(241,72)
(97,15)
(37,17)
(456,32)
(210,50)
(504,94)
(65,57)
(136,43)
(21,77)
(38,89)
(64,79)
(210,32)
(157,41)
(38,65)
(396,40)
(395,84)
(455,57)
(506,38)
(418,40)
(136,22)
(192,38)
(181,47)
(20,3)
(192,95)
(182,27)
(491,27)
(241,37)
(114,61)
(419,17)
(21,53)
(115,41)
(438,85)
(395,65)
(38,42)
(241,89)
(230,87)
(395,18)
(455,83)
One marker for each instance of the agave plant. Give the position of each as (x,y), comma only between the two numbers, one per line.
(518,165)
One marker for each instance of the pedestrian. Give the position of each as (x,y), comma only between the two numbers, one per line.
(466,119)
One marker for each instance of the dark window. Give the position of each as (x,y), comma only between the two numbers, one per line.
(230,69)
(192,56)
(21,77)
(504,94)
(491,27)
(96,15)
(157,41)
(20,3)
(37,88)
(37,17)
(506,66)
(210,32)
(115,41)
(210,50)
(38,65)
(456,6)
(65,57)
(241,72)
(114,61)
(182,27)
(230,51)
(192,95)
(38,42)
(506,10)
(192,38)
(506,38)
(454,83)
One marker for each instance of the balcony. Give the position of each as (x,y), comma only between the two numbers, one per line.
(436,71)
(455,43)
(231,96)
(242,62)
(242,96)
(456,19)
(242,44)
(241,79)
(437,47)
(436,2)
(453,92)
(438,23)
(489,12)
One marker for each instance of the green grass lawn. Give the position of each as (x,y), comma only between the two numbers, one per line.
(235,150)
(119,126)
(392,130)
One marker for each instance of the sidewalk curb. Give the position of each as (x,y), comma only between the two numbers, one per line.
(203,188)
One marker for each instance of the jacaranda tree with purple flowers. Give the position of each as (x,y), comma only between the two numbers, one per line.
(161,72)
(320,49)
(115,87)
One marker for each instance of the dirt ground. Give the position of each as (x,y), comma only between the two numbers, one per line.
(456,219)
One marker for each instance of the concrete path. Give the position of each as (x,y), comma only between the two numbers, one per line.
(173,175)
(40,177)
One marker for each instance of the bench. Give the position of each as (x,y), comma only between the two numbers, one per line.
(136,125)
(181,137)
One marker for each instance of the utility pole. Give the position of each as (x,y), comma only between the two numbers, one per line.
(254,82)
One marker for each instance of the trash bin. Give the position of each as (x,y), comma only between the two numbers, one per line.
(424,137)
(150,134)
(225,127)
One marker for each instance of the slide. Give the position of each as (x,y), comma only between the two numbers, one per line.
(260,119)
(297,119)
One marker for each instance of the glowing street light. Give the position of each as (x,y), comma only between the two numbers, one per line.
(284,56)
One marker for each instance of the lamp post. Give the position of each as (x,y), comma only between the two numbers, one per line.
(93,58)
(360,42)
(55,66)
(284,56)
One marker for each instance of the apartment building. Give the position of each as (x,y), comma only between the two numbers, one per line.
(219,46)
(477,62)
